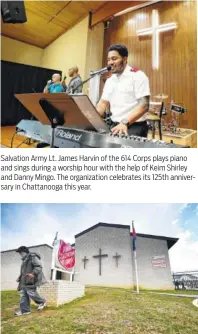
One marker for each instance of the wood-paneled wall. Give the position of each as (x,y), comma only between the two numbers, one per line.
(177,74)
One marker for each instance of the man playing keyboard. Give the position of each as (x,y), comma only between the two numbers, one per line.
(126,93)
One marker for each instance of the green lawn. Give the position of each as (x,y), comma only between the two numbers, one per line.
(105,311)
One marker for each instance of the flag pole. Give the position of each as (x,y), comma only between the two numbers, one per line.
(53,258)
(135,256)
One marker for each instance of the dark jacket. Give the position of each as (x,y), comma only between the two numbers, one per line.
(31,264)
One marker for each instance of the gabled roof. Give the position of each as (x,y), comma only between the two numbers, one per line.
(102,224)
(170,241)
(42,245)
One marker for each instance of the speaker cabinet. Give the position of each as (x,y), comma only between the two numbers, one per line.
(13,12)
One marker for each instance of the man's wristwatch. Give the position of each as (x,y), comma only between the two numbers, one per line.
(125,122)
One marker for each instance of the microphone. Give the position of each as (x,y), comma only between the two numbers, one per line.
(49,82)
(103,70)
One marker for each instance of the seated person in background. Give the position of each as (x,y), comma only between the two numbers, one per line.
(74,86)
(54,85)
(126,93)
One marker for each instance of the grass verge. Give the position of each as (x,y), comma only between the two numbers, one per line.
(105,311)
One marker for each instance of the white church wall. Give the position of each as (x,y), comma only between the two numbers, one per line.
(94,57)
(69,50)
(151,277)
(11,264)
(110,240)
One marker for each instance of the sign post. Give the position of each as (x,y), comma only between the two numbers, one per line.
(135,256)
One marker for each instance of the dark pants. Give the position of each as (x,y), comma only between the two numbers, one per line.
(26,294)
(139,129)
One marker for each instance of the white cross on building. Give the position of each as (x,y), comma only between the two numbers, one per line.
(154,31)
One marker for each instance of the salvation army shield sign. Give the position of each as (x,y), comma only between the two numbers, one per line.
(65,255)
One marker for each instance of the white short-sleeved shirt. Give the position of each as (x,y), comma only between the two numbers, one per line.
(123,91)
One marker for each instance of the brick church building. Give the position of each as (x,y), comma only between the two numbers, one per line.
(104,257)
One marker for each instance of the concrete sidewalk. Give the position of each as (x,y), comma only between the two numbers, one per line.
(174,294)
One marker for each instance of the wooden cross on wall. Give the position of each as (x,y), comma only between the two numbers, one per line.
(116,257)
(85,260)
(100,256)
(155,31)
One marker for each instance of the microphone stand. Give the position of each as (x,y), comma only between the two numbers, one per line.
(55,117)
(28,141)
(83,82)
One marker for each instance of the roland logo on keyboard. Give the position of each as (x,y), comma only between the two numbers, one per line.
(66,134)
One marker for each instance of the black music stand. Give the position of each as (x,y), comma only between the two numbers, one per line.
(54,115)
(72,111)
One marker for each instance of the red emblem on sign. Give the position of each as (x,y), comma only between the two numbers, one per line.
(66,255)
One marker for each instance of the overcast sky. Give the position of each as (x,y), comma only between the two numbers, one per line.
(33,224)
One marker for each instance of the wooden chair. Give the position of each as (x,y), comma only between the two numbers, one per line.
(155,116)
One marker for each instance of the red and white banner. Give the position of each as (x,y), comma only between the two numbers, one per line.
(159,261)
(64,255)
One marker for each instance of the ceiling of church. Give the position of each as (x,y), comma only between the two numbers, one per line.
(47,20)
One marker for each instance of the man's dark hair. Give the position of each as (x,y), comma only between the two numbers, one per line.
(121,49)
(22,249)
